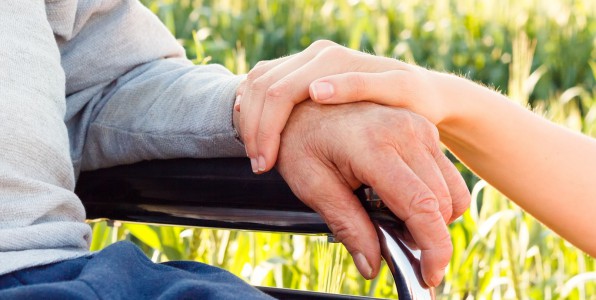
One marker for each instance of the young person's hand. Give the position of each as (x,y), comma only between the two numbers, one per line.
(328,151)
(417,89)
(273,88)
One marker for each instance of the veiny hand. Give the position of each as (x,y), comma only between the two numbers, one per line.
(273,88)
(328,151)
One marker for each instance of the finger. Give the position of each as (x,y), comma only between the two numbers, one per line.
(260,68)
(351,226)
(253,101)
(327,194)
(410,87)
(460,195)
(424,165)
(263,66)
(257,71)
(385,88)
(413,202)
(292,88)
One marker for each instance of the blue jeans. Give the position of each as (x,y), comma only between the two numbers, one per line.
(122,271)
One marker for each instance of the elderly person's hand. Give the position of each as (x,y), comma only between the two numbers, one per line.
(328,151)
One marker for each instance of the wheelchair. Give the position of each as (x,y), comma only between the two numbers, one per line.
(224,193)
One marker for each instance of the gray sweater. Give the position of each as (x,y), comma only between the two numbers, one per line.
(85,85)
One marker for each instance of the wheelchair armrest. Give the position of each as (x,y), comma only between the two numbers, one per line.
(224,193)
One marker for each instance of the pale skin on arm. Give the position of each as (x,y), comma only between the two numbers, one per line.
(546,169)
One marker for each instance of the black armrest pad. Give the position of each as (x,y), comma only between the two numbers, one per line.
(221,193)
(221,182)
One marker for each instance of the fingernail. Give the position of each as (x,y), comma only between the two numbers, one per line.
(362,265)
(237,103)
(437,278)
(322,90)
(254,165)
(262,163)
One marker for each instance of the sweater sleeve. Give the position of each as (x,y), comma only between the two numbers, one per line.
(164,109)
(41,219)
(132,94)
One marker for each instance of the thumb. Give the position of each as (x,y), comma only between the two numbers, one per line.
(382,88)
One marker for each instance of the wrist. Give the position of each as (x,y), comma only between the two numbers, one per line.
(453,93)
(466,107)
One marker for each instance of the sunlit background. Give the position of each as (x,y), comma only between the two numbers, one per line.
(540,53)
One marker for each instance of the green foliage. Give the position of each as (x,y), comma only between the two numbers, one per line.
(542,54)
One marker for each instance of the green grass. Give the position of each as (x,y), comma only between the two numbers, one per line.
(542,54)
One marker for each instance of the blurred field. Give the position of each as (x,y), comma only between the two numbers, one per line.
(542,54)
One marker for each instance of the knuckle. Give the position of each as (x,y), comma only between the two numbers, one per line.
(434,131)
(425,126)
(272,93)
(444,196)
(278,89)
(404,120)
(261,64)
(342,231)
(430,137)
(335,52)
(254,74)
(421,129)
(422,204)
(377,144)
(373,137)
(318,45)
(258,85)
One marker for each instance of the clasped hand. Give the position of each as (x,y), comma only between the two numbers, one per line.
(325,152)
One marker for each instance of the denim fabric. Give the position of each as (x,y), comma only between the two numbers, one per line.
(122,271)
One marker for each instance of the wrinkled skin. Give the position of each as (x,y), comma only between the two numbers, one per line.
(328,151)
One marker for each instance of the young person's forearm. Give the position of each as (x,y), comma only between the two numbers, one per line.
(547,169)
